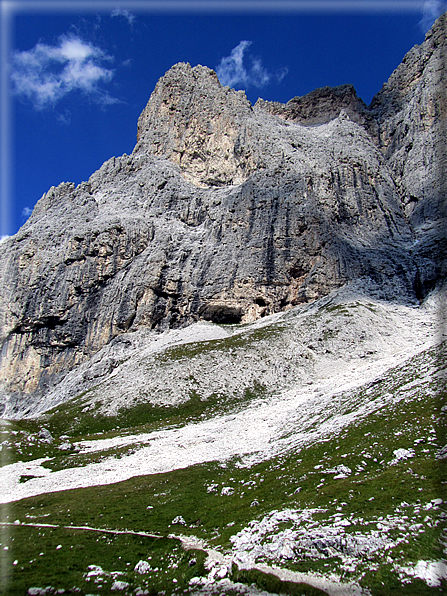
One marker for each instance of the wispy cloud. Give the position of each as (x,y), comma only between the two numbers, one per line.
(232,71)
(26,212)
(64,118)
(431,10)
(121,12)
(47,73)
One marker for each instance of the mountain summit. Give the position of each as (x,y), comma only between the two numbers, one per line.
(228,212)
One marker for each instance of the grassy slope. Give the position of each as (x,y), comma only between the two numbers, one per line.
(379,490)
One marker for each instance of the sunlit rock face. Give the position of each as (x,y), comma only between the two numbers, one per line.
(199,125)
(229,212)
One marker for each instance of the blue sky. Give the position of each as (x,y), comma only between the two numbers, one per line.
(76,75)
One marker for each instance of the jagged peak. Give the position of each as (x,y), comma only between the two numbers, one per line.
(415,65)
(185,91)
(438,29)
(192,120)
(319,106)
(186,71)
(201,126)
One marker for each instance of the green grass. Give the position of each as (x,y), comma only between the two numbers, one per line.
(144,417)
(60,557)
(251,338)
(271,583)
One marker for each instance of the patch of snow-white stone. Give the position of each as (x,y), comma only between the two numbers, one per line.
(119,586)
(305,537)
(431,572)
(401,455)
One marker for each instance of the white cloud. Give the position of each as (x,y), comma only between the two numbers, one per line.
(232,71)
(431,10)
(121,12)
(26,212)
(47,73)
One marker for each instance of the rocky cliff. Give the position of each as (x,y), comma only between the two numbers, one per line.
(228,212)
(411,112)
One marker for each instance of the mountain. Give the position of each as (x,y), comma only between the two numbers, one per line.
(253,298)
(228,212)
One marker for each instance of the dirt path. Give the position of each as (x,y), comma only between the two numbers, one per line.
(219,564)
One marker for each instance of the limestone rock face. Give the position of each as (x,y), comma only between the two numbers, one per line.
(198,124)
(227,212)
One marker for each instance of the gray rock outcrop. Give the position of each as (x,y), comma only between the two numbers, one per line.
(228,212)
(323,105)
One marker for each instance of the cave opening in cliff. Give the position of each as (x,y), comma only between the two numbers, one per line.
(222,314)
